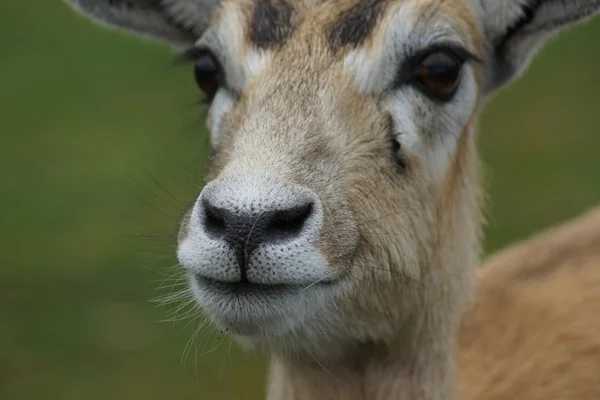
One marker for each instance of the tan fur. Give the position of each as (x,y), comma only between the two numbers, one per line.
(533,332)
(534,329)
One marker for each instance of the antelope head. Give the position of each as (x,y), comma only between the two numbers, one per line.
(343,198)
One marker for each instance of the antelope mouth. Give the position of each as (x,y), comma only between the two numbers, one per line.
(247,287)
(252,311)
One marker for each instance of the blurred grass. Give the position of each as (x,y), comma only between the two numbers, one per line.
(96,124)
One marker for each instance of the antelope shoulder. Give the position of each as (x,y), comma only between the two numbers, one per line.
(533,331)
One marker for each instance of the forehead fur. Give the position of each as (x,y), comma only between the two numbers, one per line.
(342,23)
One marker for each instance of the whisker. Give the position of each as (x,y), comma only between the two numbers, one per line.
(188,346)
(152,207)
(216,347)
(327,276)
(131,177)
(163,188)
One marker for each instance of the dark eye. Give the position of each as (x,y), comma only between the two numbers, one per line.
(207,74)
(439,74)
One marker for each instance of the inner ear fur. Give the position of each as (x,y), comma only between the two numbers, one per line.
(178,22)
(516,29)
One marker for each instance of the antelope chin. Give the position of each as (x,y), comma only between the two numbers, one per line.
(254,313)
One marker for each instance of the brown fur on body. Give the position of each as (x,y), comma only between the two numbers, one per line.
(534,329)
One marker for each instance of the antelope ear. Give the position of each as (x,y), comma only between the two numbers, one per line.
(516,29)
(179,22)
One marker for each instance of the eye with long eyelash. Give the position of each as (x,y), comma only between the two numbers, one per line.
(208,73)
(436,71)
(439,74)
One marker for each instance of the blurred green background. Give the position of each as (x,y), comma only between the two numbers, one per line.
(97,127)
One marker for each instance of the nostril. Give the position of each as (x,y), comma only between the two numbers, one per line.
(214,221)
(286,224)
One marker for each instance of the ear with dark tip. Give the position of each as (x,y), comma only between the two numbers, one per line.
(179,22)
(516,29)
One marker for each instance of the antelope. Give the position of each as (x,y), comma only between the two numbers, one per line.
(339,232)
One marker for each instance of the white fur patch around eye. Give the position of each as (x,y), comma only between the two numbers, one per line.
(374,70)
(374,67)
(240,60)
(424,128)
(221,104)
(256,61)
(430,130)
(224,100)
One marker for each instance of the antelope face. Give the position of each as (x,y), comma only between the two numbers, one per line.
(332,151)
(344,160)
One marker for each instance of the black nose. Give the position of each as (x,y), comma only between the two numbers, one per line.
(246,232)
